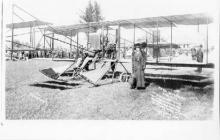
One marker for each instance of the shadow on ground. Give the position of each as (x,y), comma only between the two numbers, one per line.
(181,77)
(62,83)
(177,84)
(55,85)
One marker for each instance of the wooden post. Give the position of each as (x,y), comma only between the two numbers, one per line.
(88,41)
(44,39)
(134,35)
(171,39)
(124,49)
(31,44)
(119,40)
(157,43)
(34,46)
(153,43)
(132,56)
(107,31)
(2,38)
(207,41)
(71,33)
(102,40)
(52,42)
(146,47)
(12,32)
(12,40)
(106,40)
(77,44)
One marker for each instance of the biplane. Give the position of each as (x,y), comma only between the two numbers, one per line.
(110,59)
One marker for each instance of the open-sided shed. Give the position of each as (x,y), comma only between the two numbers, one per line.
(141,23)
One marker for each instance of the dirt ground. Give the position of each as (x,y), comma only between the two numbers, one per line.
(31,95)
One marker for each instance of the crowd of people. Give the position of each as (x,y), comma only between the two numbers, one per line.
(25,55)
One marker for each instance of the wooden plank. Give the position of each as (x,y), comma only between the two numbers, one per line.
(95,75)
(209,65)
(77,45)
(207,41)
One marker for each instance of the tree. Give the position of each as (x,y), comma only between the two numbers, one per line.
(97,12)
(92,13)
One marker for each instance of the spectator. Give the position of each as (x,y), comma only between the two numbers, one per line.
(199,55)
(137,80)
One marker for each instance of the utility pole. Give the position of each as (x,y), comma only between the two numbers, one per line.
(77,45)
(207,41)
(171,39)
(12,31)
(157,51)
(44,39)
(71,38)
(119,40)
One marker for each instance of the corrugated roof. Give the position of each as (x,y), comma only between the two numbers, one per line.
(165,21)
(149,22)
(71,30)
(27,24)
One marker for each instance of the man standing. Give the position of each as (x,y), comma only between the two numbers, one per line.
(138,60)
(199,55)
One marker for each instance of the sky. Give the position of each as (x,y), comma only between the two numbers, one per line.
(65,12)
(62,12)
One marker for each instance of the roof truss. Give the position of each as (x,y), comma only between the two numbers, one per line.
(27,24)
(149,22)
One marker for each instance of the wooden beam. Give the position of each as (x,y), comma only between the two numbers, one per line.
(18,44)
(77,45)
(52,42)
(12,32)
(153,35)
(44,39)
(207,40)
(134,35)
(119,40)
(12,41)
(103,40)
(58,40)
(34,45)
(88,40)
(31,44)
(124,50)
(157,43)
(107,30)
(171,39)
(71,41)
(146,46)
(21,34)
(132,62)
(208,65)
